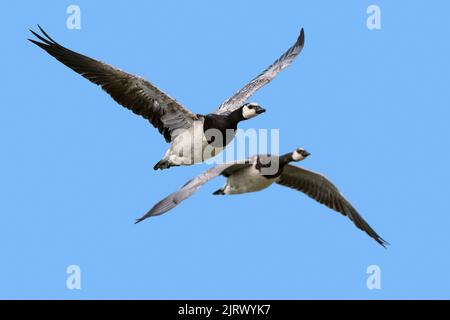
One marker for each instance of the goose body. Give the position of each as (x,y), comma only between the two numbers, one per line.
(194,138)
(190,146)
(260,172)
(248,179)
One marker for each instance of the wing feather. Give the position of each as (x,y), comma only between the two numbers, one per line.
(132,92)
(190,187)
(263,78)
(325,192)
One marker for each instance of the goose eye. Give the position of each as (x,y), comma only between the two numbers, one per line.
(250,107)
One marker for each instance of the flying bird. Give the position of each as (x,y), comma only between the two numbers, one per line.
(193,137)
(259,172)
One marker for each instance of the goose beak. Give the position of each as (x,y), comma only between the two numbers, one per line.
(260,110)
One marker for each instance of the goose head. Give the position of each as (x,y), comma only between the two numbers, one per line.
(299,154)
(251,110)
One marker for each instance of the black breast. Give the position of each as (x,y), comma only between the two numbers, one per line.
(219,130)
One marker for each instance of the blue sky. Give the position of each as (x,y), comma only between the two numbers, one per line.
(372,107)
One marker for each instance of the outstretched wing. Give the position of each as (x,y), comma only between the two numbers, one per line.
(264,78)
(132,92)
(324,191)
(192,186)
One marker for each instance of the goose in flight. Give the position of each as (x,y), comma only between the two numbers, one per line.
(193,137)
(259,172)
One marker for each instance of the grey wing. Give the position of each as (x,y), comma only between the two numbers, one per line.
(132,92)
(324,191)
(191,187)
(264,78)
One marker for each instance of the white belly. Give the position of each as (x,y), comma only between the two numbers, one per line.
(191,147)
(247,180)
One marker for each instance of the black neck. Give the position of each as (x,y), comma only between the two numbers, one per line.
(236,116)
(285,159)
(282,162)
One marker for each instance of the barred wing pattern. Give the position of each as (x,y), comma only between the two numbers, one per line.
(192,186)
(264,78)
(132,92)
(322,190)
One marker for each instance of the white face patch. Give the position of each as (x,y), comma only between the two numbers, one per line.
(247,112)
(297,156)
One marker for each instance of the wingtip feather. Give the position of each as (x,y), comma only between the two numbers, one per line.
(39,44)
(301,38)
(46,34)
(384,243)
(138,220)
